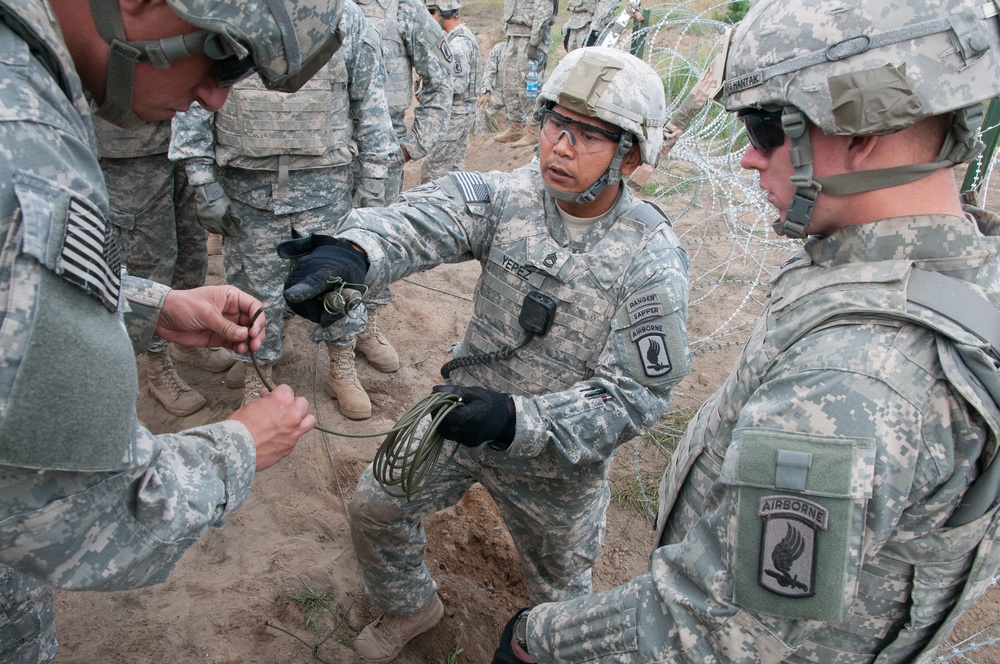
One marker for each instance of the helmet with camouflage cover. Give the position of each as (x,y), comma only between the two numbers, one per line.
(285,41)
(857,68)
(616,87)
(445,5)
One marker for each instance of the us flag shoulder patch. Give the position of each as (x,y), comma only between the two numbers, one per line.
(89,256)
(472,186)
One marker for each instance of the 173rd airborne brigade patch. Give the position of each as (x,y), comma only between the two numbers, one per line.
(650,338)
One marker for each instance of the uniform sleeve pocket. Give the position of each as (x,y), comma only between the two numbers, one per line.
(799,520)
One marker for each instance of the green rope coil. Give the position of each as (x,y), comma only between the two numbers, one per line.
(403,464)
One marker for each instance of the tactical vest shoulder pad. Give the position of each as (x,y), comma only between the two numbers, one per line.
(649,214)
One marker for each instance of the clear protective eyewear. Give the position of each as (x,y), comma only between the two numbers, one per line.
(585,138)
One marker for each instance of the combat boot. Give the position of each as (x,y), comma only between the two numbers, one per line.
(213,360)
(166,385)
(373,345)
(343,385)
(382,640)
(530,137)
(252,384)
(514,131)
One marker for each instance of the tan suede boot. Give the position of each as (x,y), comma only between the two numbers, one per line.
(166,385)
(514,131)
(213,360)
(375,347)
(342,384)
(529,138)
(235,376)
(252,384)
(383,640)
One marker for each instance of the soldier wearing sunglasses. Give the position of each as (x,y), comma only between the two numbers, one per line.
(836,500)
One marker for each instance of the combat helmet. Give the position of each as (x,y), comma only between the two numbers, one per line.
(616,87)
(285,41)
(859,68)
(445,5)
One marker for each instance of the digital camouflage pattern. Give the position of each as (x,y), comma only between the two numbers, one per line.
(616,87)
(528,26)
(576,29)
(922,59)
(599,377)
(68,472)
(492,83)
(152,208)
(889,446)
(448,154)
(412,41)
(316,195)
(258,28)
(26,619)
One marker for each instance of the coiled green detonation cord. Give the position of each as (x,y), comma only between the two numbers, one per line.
(403,465)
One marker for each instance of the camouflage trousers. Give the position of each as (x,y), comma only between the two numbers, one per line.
(252,263)
(152,211)
(557,526)
(448,154)
(515,62)
(485,115)
(574,38)
(27,629)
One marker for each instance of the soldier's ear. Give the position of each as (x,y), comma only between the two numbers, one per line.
(631,160)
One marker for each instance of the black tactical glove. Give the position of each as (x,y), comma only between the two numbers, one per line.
(534,53)
(485,416)
(505,653)
(311,276)
(214,210)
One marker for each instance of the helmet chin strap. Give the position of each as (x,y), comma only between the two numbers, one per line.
(123,56)
(961,145)
(610,177)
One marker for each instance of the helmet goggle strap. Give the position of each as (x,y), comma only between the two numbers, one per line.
(610,176)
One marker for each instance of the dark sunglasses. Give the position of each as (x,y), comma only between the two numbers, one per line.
(763,128)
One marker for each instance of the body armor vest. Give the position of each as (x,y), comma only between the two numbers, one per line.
(466,102)
(313,125)
(586,286)
(398,70)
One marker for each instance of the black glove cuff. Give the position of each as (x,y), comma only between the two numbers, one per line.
(504,440)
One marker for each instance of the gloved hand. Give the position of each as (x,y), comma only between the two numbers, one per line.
(309,279)
(369,192)
(505,652)
(485,417)
(214,209)
(534,53)
(484,100)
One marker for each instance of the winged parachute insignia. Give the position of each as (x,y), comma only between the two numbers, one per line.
(788,550)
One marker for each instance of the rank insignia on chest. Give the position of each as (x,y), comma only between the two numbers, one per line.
(651,341)
(788,544)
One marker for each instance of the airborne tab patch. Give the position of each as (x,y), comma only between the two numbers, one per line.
(788,544)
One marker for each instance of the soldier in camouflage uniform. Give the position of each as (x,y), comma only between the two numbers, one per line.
(554,412)
(528,25)
(152,210)
(411,41)
(290,166)
(836,499)
(491,95)
(448,153)
(576,29)
(91,499)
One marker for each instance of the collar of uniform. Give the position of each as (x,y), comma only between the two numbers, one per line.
(928,239)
